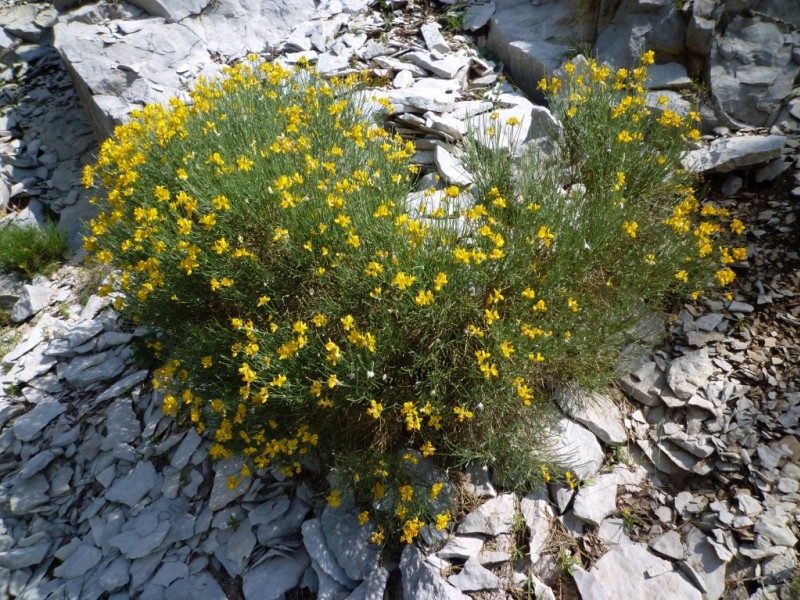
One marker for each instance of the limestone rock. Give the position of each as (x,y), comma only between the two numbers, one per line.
(172,10)
(493,517)
(474,578)
(577,447)
(689,372)
(596,411)
(596,501)
(624,573)
(729,154)
(752,69)
(421,582)
(32,299)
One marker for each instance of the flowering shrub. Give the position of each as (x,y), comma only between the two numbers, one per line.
(315,318)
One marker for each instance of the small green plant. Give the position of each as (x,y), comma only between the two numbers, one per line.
(30,249)
(453,19)
(631,521)
(567,562)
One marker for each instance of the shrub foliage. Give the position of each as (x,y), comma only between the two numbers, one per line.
(316,316)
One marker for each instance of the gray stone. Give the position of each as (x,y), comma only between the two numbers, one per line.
(596,501)
(477,15)
(779,568)
(28,426)
(689,372)
(773,524)
(135,486)
(37,463)
(121,386)
(474,578)
(421,582)
(433,38)
(531,40)
(598,412)
(699,34)
(751,68)
(171,571)
(461,547)
(478,480)
(623,573)
(270,579)
(788,486)
(373,587)
(423,99)
(83,371)
(121,423)
(403,79)
(771,171)
(451,169)
(732,185)
(349,542)
(133,544)
(321,555)
(670,76)
(538,516)
(703,558)
(27,494)
(241,544)
(588,585)
(612,531)
(115,575)
(493,517)
(19,558)
(11,285)
(577,447)
(447,67)
(729,154)
(189,443)
(32,299)
(645,384)
(198,586)
(221,495)
(84,558)
(82,332)
(668,545)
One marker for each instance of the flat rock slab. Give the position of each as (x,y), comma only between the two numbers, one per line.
(135,486)
(491,518)
(475,578)
(689,372)
(28,426)
(729,154)
(275,576)
(421,581)
(598,412)
(84,558)
(596,501)
(349,542)
(577,447)
(624,573)
(32,299)
(668,545)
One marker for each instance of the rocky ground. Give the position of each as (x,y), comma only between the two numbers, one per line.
(690,471)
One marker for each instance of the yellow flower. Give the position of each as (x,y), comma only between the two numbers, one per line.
(725,276)
(363,518)
(439,281)
(682,276)
(424,298)
(737,227)
(624,137)
(182,174)
(630,228)
(262,301)
(207,362)
(244,164)
(334,498)
(377,537)
(406,493)
(233,482)
(402,281)
(427,449)
(474,331)
(506,348)
(462,413)
(545,235)
(650,259)
(411,530)
(442,520)
(184,226)
(221,203)
(573,304)
(220,246)
(739,253)
(540,306)
(648,58)
(375,409)
(436,489)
